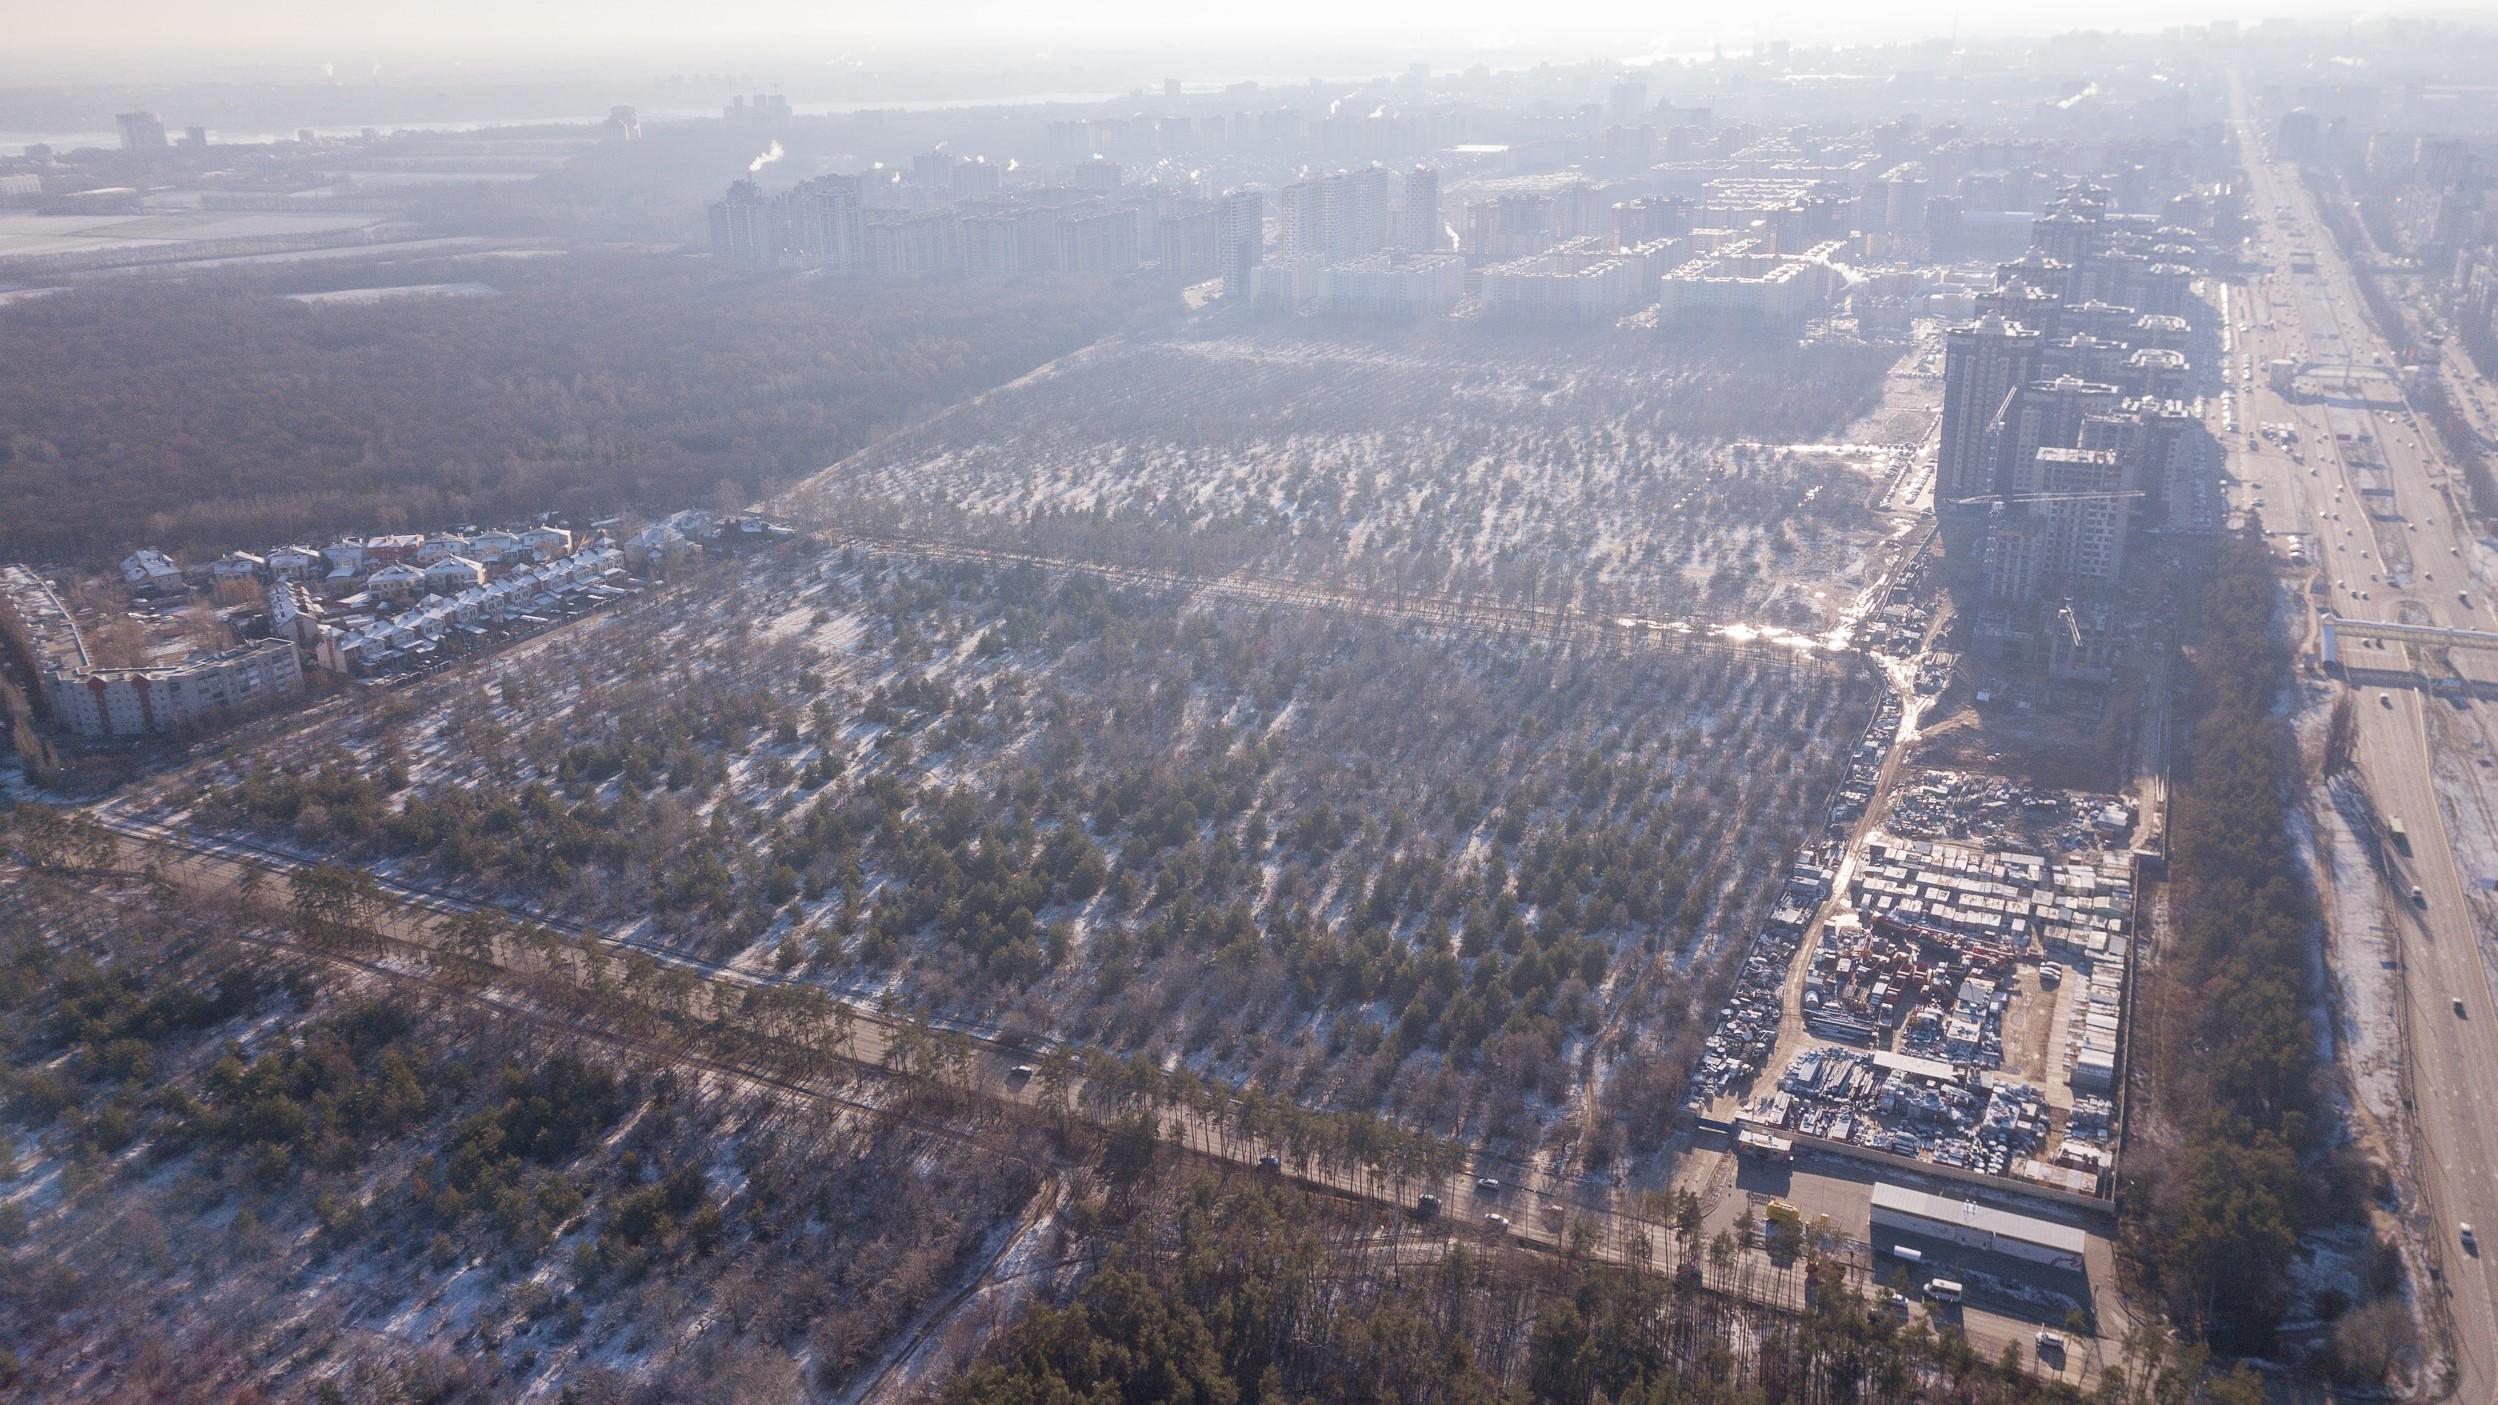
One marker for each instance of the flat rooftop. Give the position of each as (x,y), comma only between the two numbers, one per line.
(2005,1224)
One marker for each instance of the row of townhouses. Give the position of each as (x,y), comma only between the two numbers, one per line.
(404,563)
(473,612)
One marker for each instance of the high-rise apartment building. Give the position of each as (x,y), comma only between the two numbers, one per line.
(995,245)
(1360,223)
(1982,364)
(1342,216)
(1628,101)
(1303,233)
(1188,241)
(1240,224)
(1103,242)
(819,224)
(898,245)
(2161,442)
(2064,428)
(1649,217)
(1419,229)
(765,110)
(815,225)
(140,131)
(2063,528)
(976,179)
(741,226)
(2038,415)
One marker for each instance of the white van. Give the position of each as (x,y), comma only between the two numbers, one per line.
(1943,1290)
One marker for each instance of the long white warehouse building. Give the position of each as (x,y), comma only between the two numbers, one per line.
(1975,1226)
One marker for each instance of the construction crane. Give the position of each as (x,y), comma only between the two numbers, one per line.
(2072,626)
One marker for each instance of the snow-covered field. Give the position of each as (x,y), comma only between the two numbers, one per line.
(1253,839)
(26,234)
(1629,473)
(2368,1023)
(319,1189)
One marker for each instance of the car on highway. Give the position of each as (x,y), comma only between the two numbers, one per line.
(2386,698)
(1487,1186)
(1020,1072)
(1494,1219)
(1426,1207)
(2050,1343)
(2471,1242)
(2457,1002)
(2418,898)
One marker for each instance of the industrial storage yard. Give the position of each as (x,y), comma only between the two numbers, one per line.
(1955,1006)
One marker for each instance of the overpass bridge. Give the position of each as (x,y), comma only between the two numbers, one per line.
(2337,628)
(2284,374)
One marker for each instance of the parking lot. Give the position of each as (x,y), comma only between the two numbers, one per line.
(2004,1300)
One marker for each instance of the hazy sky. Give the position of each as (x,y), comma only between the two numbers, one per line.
(354,34)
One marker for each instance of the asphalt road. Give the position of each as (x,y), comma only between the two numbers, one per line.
(2444,938)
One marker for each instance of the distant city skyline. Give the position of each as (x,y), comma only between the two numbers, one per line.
(281,40)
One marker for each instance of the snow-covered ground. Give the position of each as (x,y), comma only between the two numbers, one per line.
(1293,815)
(2367,1014)
(1634,476)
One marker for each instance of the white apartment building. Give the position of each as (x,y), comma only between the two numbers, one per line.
(1571,288)
(1393,285)
(1745,284)
(137,702)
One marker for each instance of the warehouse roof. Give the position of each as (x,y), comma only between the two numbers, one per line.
(2003,1224)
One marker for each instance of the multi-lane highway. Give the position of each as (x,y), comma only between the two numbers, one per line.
(2383,525)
